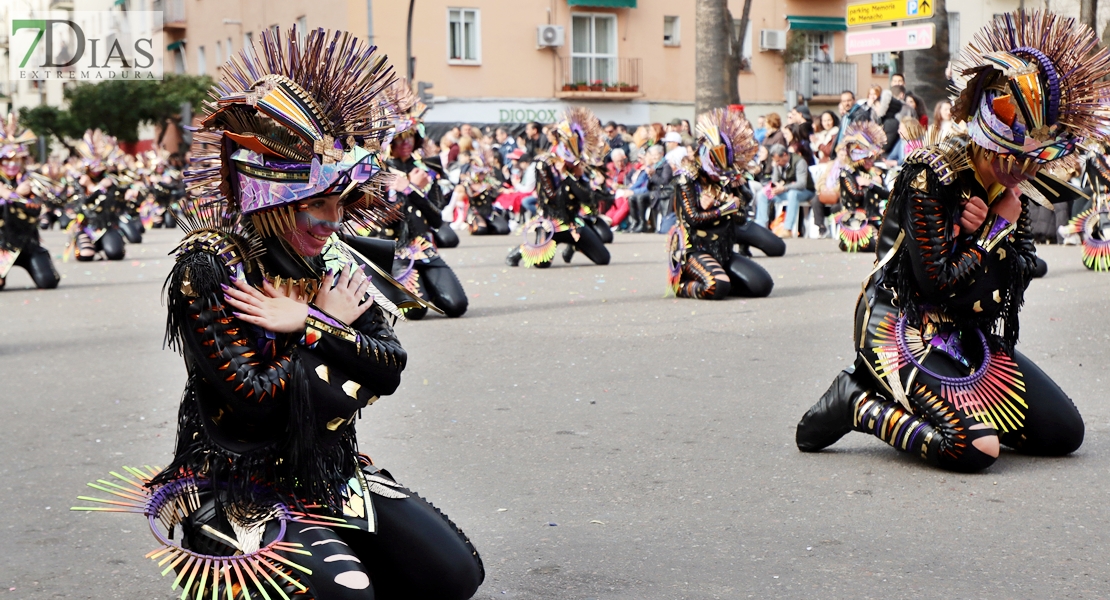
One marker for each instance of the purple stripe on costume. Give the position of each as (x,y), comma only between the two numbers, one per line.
(317,314)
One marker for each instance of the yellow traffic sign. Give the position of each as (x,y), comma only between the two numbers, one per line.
(885,11)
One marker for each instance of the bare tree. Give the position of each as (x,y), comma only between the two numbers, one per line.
(735,61)
(711,54)
(1088,11)
(925,69)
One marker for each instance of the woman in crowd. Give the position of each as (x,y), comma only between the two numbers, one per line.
(20,206)
(862,195)
(711,198)
(824,141)
(286,339)
(937,373)
(774,133)
(942,118)
(562,185)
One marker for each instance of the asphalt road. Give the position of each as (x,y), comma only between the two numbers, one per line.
(595,438)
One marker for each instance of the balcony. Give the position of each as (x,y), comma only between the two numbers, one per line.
(816,79)
(599,78)
(173,13)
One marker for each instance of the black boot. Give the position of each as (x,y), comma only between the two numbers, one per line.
(568,253)
(832,417)
(513,259)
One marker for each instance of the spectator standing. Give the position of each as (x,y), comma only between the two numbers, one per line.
(897,79)
(847,101)
(942,117)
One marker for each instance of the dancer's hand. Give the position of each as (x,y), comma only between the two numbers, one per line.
(273,309)
(1008,206)
(419,179)
(344,301)
(974,212)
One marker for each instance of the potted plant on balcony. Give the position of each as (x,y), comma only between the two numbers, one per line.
(582,86)
(626,87)
(570,87)
(612,87)
(597,86)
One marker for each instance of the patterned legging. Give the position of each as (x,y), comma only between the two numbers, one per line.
(703,278)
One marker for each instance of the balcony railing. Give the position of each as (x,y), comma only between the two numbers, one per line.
(173,11)
(811,79)
(600,74)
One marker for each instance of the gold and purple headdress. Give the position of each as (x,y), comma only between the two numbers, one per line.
(725,143)
(578,137)
(98,151)
(1034,88)
(301,117)
(862,140)
(14,139)
(409,109)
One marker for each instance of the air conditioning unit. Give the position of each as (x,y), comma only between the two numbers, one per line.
(550,36)
(772,39)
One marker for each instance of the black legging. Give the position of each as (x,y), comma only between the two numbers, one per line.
(436,283)
(496,224)
(445,237)
(757,236)
(36,260)
(589,243)
(111,243)
(747,278)
(415,553)
(604,232)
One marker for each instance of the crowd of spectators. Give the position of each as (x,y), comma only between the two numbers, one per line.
(639,165)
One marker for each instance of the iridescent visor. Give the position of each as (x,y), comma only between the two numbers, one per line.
(267,184)
(989,131)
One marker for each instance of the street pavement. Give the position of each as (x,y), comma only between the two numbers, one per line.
(594,437)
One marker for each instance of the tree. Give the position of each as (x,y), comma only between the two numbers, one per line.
(925,69)
(735,60)
(711,73)
(118,107)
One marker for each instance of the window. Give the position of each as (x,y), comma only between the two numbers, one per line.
(463,36)
(248,39)
(202,62)
(594,48)
(302,28)
(219,53)
(671,31)
(814,42)
(230,50)
(880,63)
(179,61)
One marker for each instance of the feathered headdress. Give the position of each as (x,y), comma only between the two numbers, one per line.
(579,138)
(862,140)
(13,138)
(725,143)
(1034,89)
(301,119)
(98,150)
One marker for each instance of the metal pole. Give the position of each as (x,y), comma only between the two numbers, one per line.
(408,44)
(370,22)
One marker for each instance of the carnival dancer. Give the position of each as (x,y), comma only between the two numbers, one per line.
(481,188)
(711,199)
(593,209)
(862,195)
(417,263)
(936,372)
(562,185)
(100,206)
(19,210)
(1092,225)
(286,339)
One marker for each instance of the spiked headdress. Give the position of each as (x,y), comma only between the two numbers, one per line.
(13,138)
(578,137)
(409,108)
(1034,88)
(293,119)
(725,143)
(98,150)
(862,140)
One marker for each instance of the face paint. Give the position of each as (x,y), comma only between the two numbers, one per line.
(311,233)
(11,167)
(402,147)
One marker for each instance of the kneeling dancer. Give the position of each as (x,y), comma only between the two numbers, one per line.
(286,340)
(711,197)
(936,372)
